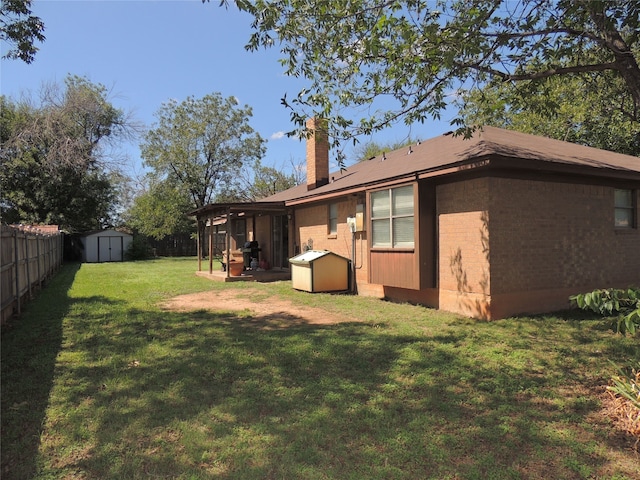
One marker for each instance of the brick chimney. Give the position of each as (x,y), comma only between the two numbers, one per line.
(317,154)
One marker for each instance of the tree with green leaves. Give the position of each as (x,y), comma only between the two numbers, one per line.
(259,181)
(20,29)
(56,167)
(569,109)
(199,145)
(371,149)
(406,59)
(159,211)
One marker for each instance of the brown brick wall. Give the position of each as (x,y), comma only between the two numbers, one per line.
(463,246)
(312,222)
(547,235)
(509,246)
(505,246)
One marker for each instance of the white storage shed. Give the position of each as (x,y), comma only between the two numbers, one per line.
(105,246)
(320,271)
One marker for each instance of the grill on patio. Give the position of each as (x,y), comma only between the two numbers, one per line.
(251,252)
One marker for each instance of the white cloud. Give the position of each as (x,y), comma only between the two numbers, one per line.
(277,135)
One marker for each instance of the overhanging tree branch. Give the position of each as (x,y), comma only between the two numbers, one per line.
(551,72)
(416,52)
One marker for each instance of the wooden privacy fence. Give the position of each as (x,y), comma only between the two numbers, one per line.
(29,256)
(180,245)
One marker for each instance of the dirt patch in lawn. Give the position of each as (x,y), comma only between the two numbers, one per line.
(272,311)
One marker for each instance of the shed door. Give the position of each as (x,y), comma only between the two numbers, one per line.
(110,249)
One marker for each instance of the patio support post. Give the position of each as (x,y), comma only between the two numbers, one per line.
(198,244)
(228,240)
(210,246)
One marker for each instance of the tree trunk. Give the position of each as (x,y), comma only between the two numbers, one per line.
(625,62)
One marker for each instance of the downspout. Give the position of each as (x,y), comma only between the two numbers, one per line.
(353,228)
(353,261)
(292,235)
(351,223)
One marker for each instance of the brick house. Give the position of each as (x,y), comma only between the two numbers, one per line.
(499,224)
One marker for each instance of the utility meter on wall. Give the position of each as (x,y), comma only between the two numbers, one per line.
(351,223)
(359,218)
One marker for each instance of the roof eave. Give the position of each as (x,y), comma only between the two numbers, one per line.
(217,209)
(489,162)
(412,176)
(564,168)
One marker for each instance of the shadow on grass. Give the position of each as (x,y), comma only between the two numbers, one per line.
(155,394)
(215,395)
(30,345)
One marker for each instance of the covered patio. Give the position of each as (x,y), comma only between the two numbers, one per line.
(247,276)
(240,223)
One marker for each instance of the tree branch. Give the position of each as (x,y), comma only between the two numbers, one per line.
(506,77)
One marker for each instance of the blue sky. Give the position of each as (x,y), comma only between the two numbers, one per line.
(150,51)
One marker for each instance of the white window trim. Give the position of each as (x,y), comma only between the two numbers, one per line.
(391,217)
(630,209)
(330,218)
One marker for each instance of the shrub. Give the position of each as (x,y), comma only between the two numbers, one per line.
(627,385)
(625,392)
(138,249)
(624,304)
(629,323)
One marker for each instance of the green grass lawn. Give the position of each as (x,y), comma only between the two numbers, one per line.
(99,382)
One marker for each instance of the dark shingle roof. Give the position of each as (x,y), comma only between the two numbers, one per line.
(446,152)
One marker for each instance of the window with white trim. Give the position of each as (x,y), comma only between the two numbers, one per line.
(333,219)
(624,208)
(392,218)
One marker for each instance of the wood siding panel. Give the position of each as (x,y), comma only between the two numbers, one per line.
(428,242)
(394,269)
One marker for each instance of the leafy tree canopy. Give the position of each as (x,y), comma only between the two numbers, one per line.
(404,59)
(198,145)
(197,148)
(368,150)
(259,182)
(54,166)
(160,211)
(575,110)
(20,30)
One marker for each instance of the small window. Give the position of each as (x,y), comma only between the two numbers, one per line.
(240,232)
(392,218)
(624,208)
(333,219)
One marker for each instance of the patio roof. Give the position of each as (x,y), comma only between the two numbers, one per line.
(214,210)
